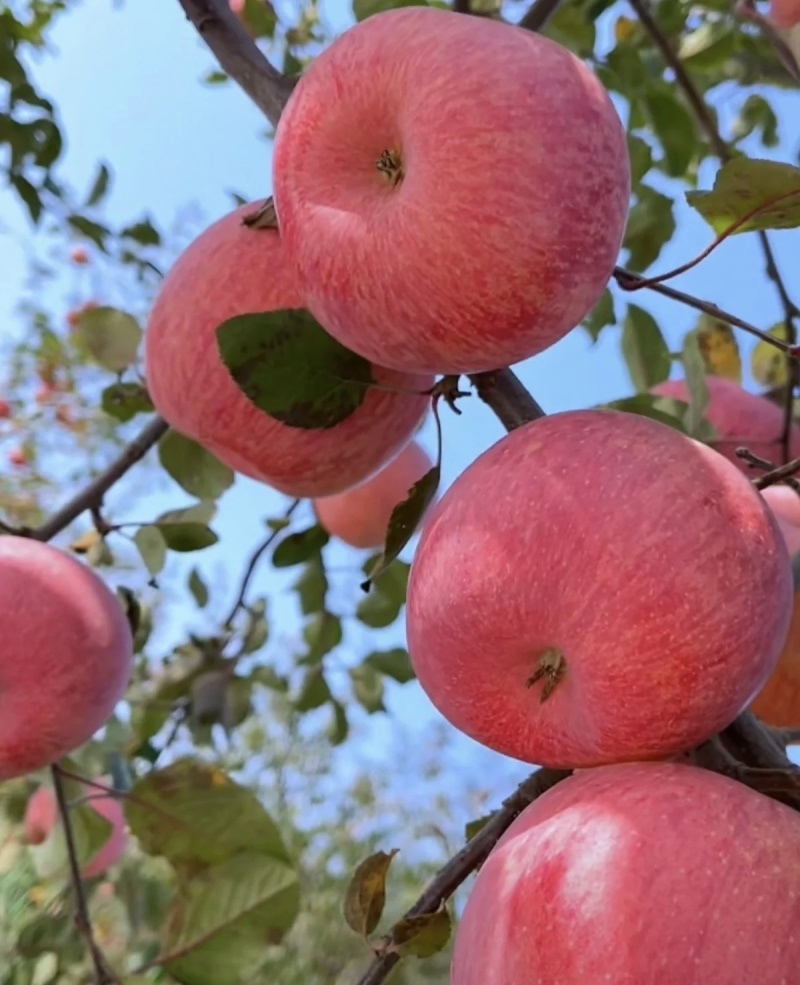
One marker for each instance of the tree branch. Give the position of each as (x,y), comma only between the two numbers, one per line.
(92,496)
(239,55)
(103,973)
(471,856)
(538,15)
(502,391)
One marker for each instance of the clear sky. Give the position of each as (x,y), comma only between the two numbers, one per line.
(126,81)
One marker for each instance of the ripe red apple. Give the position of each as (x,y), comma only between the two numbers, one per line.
(778,702)
(785,13)
(5,410)
(741,418)
(65,655)
(42,816)
(18,457)
(597,587)
(657,873)
(232,270)
(79,255)
(452,190)
(360,516)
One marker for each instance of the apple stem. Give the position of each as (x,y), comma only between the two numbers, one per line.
(390,163)
(552,667)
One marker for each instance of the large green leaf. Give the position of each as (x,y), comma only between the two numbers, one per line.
(196,470)
(644,348)
(222,920)
(745,186)
(194,813)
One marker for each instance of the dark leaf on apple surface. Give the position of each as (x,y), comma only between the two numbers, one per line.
(366,893)
(645,351)
(745,185)
(422,935)
(405,519)
(288,366)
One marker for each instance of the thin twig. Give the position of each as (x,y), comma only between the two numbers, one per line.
(781,474)
(92,496)
(254,559)
(103,973)
(502,390)
(538,14)
(471,856)
(747,11)
(629,281)
(239,55)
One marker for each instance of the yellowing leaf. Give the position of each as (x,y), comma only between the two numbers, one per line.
(422,935)
(719,348)
(85,542)
(366,894)
(768,363)
(766,192)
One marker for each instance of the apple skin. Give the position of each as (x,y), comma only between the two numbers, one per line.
(644,557)
(778,702)
(232,270)
(785,13)
(66,653)
(656,873)
(360,516)
(42,816)
(504,230)
(741,419)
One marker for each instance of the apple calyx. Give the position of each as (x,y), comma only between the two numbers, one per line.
(390,164)
(552,667)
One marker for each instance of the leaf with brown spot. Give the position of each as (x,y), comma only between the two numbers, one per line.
(366,894)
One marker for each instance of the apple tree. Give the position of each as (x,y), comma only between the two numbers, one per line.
(606,586)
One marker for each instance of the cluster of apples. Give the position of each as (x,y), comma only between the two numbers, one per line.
(599,592)
(436,216)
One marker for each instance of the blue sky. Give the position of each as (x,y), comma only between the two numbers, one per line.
(126,81)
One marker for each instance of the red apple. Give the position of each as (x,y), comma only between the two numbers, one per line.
(65,655)
(657,873)
(42,816)
(5,410)
(18,457)
(741,418)
(597,587)
(79,255)
(778,702)
(232,270)
(785,13)
(452,190)
(360,516)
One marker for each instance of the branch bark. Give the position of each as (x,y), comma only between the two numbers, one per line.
(471,856)
(504,393)
(92,496)
(239,55)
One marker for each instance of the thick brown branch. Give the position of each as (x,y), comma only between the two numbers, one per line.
(239,55)
(471,856)
(502,390)
(92,496)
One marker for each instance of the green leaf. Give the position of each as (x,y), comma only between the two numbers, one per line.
(601,315)
(269,677)
(111,337)
(366,893)
(405,519)
(186,537)
(475,827)
(757,114)
(29,195)
(195,470)
(198,588)
(362,9)
(312,586)
(144,233)
(651,226)
(152,547)
(744,185)
(674,126)
(99,186)
(664,409)
(393,663)
(314,691)
(193,813)
(288,366)
(641,155)
(383,604)
(124,401)
(322,633)
(203,512)
(260,18)
(570,26)
(422,935)
(646,353)
(91,230)
(339,727)
(208,697)
(300,547)
(221,921)
(367,688)
(257,632)
(697,385)
(769,364)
